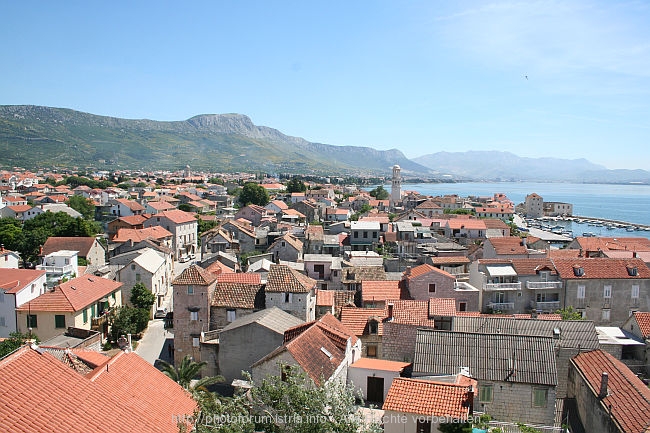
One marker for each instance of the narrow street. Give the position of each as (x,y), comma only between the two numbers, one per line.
(155,343)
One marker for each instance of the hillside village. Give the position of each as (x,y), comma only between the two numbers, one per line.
(430,308)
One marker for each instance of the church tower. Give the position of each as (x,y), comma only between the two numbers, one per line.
(396,186)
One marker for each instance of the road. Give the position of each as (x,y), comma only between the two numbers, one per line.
(155,342)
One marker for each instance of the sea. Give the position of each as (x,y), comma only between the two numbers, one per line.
(629,203)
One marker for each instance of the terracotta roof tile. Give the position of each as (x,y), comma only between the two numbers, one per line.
(235,295)
(605,243)
(177,216)
(599,268)
(73,295)
(356,319)
(628,398)
(643,320)
(12,280)
(51,396)
(240,277)
(138,235)
(218,268)
(380,291)
(195,275)
(425,269)
(427,398)
(282,278)
(380,364)
(442,307)
(508,245)
(450,260)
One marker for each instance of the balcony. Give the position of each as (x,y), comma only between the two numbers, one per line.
(501,306)
(501,287)
(546,305)
(463,286)
(543,285)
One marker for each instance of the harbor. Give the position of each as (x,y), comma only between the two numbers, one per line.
(565,228)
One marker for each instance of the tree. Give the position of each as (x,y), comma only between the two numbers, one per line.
(204,226)
(82,205)
(15,340)
(253,193)
(379,193)
(186,372)
(296,185)
(185,207)
(141,297)
(128,320)
(569,313)
(277,406)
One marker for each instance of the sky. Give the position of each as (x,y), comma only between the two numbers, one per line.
(565,79)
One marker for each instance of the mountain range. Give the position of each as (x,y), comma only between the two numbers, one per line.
(36,136)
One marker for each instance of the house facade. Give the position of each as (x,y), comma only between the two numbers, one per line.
(17,287)
(291,291)
(182,225)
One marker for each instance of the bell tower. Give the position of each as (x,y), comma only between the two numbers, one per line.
(396,186)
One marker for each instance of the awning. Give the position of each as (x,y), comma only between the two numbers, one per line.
(501,271)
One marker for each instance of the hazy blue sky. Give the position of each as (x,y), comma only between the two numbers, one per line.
(420,76)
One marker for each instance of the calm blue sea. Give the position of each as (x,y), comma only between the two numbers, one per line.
(629,203)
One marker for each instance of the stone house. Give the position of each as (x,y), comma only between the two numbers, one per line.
(608,397)
(130,222)
(308,209)
(252,213)
(368,325)
(193,290)
(426,281)
(151,269)
(429,208)
(287,248)
(465,230)
(242,234)
(324,268)
(516,374)
(605,290)
(235,295)
(81,302)
(322,350)
(291,291)
(249,338)
(182,225)
(534,206)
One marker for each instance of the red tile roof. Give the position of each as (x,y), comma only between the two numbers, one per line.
(380,364)
(282,278)
(410,312)
(356,319)
(427,398)
(73,295)
(508,246)
(138,235)
(218,268)
(605,244)
(195,275)
(380,291)
(81,244)
(42,394)
(240,277)
(235,295)
(442,307)
(324,298)
(177,216)
(601,268)
(12,280)
(628,398)
(425,269)
(450,260)
(643,320)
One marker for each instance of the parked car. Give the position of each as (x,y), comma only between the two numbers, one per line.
(161,313)
(192,256)
(183,259)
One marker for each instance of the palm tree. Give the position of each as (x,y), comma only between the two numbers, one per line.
(185,373)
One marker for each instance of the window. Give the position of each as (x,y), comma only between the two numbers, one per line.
(194,315)
(372,327)
(133,267)
(462,306)
(190,290)
(85,315)
(231,315)
(195,341)
(371,351)
(32,321)
(540,396)
(2,297)
(432,287)
(485,393)
(607,292)
(2,321)
(288,297)
(137,277)
(635,292)
(365,234)
(606,314)
(93,311)
(374,235)
(59,321)
(581,292)
(423,426)
(356,235)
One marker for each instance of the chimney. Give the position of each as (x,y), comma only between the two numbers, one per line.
(390,311)
(581,253)
(524,242)
(603,385)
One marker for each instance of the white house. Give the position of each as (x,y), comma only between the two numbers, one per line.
(151,269)
(17,286)
(182,225)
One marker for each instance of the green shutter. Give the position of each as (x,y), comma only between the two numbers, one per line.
(85,315)
(59,321)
